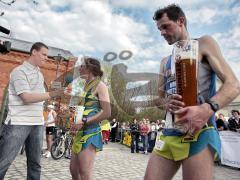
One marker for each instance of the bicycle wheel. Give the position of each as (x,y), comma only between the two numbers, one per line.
(58,148)
(68,152)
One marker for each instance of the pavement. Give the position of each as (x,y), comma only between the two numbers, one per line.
(115,162)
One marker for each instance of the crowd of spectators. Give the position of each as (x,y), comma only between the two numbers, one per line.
(143,132)
(232,123)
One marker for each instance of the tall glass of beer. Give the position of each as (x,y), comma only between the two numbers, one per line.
(185,55)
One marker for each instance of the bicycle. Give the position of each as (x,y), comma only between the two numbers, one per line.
(61,145)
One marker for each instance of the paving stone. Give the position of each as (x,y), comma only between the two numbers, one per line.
(115,162)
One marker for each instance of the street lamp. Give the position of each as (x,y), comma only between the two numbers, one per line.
(59,59)
(57,83)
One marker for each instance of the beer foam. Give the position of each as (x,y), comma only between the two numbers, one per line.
(185,55)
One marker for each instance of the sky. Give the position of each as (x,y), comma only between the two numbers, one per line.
(96,27)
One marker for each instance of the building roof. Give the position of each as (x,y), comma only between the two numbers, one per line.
(25,46)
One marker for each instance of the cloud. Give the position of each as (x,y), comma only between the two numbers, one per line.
(95,27)
(156,49)
(230,45)
(151,5)
(83,27)
(196,11)
(146,65)
(202,15)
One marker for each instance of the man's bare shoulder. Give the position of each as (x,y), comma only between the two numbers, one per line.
(208,45)
(206,40)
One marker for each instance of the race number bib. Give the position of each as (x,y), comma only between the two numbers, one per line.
(159,143)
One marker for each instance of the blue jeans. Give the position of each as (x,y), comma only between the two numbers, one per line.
(135,138)
(144,139)
(11,140)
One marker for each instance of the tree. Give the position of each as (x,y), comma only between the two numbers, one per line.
(152,114)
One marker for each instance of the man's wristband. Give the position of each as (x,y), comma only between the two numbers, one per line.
(214,105)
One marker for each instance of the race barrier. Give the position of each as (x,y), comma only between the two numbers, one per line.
(125,138)
(230,155)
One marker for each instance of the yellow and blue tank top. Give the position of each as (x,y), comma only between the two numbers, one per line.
(90,134)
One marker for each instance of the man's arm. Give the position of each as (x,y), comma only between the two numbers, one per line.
(28,97)
(20,83)
(171,103)
(197,116)
(160,102)
(225,95)
(161,85)
(31,97)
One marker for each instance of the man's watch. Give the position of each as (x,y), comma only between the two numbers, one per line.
(84,120)
(214,106)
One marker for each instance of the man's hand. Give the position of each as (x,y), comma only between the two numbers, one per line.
(68,90)
(57,93)
(194,117)
(61,93)
(76,127)
(174,103)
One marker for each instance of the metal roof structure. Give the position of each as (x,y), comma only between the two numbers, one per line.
(25,46)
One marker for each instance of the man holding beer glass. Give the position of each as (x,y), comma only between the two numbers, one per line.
(190,137)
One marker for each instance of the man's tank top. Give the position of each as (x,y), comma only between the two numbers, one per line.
(206,90)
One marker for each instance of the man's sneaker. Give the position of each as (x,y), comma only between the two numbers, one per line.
(68,156)
(48,155)
(46,152)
